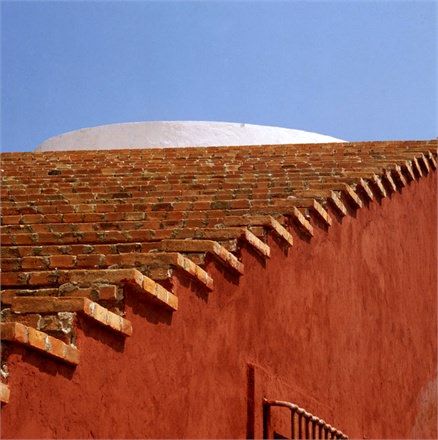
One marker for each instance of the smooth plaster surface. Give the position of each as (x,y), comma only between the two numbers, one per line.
(178,134)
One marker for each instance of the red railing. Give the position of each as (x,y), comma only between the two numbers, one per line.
(303,425)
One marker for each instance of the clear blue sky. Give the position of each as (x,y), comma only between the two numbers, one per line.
(352,69)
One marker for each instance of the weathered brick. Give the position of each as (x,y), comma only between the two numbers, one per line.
(352,196)
(11,219)
(302,221)
(89,260)
(337,203)
(12,279)
(148,285)
(71,354)
(107,292)
(31,218)
(31,263)
(261,247)
(42,278)
(99,313)
(38,340)
(23,304)
(12,331)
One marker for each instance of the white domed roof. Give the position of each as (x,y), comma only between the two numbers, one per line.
(164,134)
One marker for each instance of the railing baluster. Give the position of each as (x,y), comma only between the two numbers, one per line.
(293,410)
(321,429)
(300,423)
(306,426)
(314,426)
(332,432)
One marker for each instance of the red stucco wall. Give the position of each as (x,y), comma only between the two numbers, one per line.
(344,326)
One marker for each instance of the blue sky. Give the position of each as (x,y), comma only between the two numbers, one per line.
(355,70)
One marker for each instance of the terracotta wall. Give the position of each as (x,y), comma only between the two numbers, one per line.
(345,326)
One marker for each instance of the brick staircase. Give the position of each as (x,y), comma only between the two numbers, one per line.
(77,227)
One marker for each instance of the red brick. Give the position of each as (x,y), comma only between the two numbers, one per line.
(30,263)
(90,260)
(11,219)
(37,339)
(11,279)
(62,261)
(107,292)
(71,355)
(31,218)
(42,278)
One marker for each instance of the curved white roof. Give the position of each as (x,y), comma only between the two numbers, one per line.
(178,134)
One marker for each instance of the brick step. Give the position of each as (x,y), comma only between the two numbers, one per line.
(138,204)
(130,236)
(276,225)
(50,305)
(176,183)
(164,190)
(211,163)
(176,205)
(194,250)
(226,153)
(292,171)
(202,201)
(82,227)
(157,234)
(59,325)
(84,279)
(30,337)
(154,194)
(87,249)
(155,265)
(256,220)
(121,225)
(140,235)
(233,166)
(154,197)
(116,221)
(152,220)
(256,189)
(107,293)
(160,196)
(274,208)
(325,162)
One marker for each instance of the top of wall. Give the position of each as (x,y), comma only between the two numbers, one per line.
(177,134)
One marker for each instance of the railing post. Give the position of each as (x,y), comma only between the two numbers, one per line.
(266,419)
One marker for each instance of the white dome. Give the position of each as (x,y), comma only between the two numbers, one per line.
(164,134)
